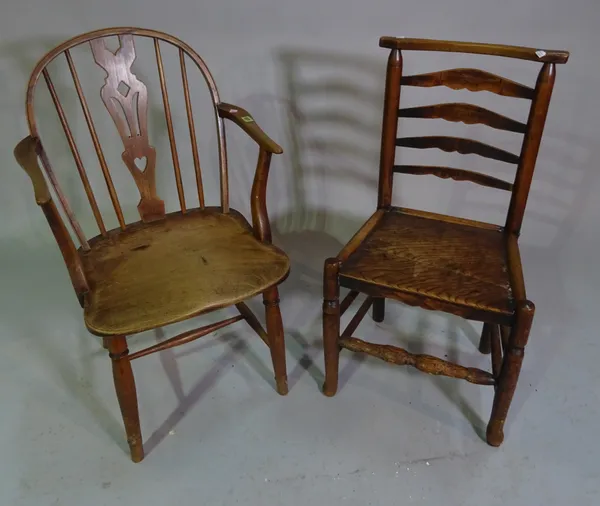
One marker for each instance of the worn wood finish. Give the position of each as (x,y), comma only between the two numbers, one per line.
(531,146)
(186,337)
(389,129)
(455,174)
(126,395)
(167,267)
(459,145)
(472,80)
(523,53)
(464,113)
(448,262)
(443,263)
(184,265)
(425,363)
(96,141)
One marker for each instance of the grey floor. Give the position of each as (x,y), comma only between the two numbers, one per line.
(216,432)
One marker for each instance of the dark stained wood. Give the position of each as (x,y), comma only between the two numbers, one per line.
(186,337)
(192,128)
(242,118)
(531,146)
(523,53)
(75,152)
(472,80)
(348,300)
(378,309)
(165,268)
(449,262)
(126,395)
(358,317)
(509,374)
(496,350)
(97,146)
(485,345)
(455,174)
(425,363)
(389,129)
(464,113)
(444,263)
(126,99)
(331,325)
(459,145)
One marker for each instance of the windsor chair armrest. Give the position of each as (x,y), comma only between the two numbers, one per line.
(26,153)
(242,118)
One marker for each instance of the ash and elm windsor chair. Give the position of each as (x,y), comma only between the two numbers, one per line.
(168,267)
(463,267)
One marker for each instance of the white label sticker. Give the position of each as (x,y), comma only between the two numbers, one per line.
(540,53)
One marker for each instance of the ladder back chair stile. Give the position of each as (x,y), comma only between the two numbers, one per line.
(167,267)
(463,267)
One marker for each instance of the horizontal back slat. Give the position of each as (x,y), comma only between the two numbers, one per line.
(472,80)
(465,113)
(455,174)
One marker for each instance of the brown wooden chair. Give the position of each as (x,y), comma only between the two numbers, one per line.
(467,268)
(168,267)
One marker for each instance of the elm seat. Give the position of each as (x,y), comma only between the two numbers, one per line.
(155,274)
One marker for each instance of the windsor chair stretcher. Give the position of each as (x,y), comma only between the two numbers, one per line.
(167,267)
(463,267)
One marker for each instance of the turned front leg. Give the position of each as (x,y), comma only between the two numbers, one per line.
(331,324)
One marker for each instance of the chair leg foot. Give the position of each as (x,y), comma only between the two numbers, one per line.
(379,310)
(485,343)
(126,394)
(276,338)
(509,374)
(331,326)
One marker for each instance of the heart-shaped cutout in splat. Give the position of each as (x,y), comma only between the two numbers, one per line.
(141,163)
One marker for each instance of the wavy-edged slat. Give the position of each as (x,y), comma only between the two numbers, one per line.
(455,174)
(472,80)
(464,113)
(459,145)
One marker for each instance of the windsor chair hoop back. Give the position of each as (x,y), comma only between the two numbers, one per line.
(169,266)
(463,267)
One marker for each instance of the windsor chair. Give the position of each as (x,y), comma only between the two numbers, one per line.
(463,267)
(167,267)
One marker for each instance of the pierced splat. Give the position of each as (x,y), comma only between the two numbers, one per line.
(126,99)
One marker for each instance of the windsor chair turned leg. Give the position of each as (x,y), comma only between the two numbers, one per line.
(509,375)
(126,394)
(379,309)
(105,341)
(276,338)
(485,345)
(331,325)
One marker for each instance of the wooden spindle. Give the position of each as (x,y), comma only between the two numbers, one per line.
(190,116)
(169,119)
(90,123)
(75,152)
(223,162)
(62,199)
(358,317)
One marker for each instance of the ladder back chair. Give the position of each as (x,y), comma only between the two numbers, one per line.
(166,267)
(463,267)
